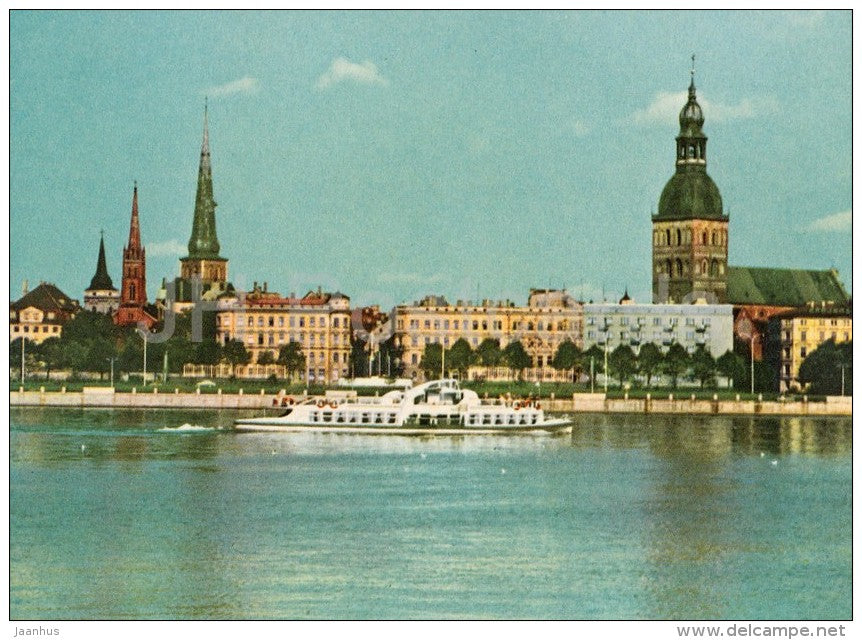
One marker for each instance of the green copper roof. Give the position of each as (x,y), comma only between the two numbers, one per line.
(690,194)
(783,287)
(203,243)
(101,281)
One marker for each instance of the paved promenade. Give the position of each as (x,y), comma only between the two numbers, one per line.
(579,403)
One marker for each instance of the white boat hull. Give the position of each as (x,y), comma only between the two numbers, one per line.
(551,427)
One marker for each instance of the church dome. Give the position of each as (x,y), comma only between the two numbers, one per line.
(690,195)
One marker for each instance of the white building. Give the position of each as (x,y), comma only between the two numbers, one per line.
(691,325)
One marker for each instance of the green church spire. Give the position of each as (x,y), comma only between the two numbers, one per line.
(203,243)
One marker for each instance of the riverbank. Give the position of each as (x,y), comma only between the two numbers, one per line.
(105,397)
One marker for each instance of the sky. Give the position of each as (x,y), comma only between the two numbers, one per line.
(392,155)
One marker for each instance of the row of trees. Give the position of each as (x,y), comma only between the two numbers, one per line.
(91,342)
(623,363)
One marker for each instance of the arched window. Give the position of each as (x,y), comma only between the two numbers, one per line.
(667,236)
(678,267)
(132,290)
(703,238)
(678,237)
(703,267)
(713,271)
(667,268)
(713,237)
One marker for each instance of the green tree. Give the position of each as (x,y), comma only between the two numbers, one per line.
(266,357)
(822,369)
(290,356)
(731,366)
(30,355)
(432,360)
(207,352)
(568,358)
(99,354)
(50,353)
(75,356)
(622,363)
(460,357)
(675,362)
(489,352)
(516,358)
(649,361)
(594,360)
(235,353)
(703,366)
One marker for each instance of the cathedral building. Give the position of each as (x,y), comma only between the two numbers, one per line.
(689,243)
(133,307)
(101,296)
(690,251)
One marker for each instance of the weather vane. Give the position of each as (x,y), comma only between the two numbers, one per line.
(692,66)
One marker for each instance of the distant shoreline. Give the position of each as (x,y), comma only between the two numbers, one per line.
(104,397)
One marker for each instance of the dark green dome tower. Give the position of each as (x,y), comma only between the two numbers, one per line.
(690,228)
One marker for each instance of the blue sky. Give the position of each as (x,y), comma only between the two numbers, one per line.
(392,155)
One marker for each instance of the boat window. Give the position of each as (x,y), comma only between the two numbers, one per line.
(327,416)
(486,419)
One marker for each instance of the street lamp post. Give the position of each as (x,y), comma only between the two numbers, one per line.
(23,340)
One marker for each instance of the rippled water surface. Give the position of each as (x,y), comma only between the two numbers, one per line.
(171,515)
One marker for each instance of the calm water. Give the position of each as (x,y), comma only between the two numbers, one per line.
(119,514)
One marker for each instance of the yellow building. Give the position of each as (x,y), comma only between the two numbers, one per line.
(265,321)
(550,317)
(803,331)
(41,314)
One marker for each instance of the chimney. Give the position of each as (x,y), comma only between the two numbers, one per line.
(25,287)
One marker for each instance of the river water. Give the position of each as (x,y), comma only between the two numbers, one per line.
(159,514)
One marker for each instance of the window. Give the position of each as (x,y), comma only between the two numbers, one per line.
(302,321)
(802,352)
(260,321)
(311,321)
(271,321)
(336,322)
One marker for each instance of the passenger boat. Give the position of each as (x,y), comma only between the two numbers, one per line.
(439,407)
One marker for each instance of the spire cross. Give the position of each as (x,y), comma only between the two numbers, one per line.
(692,67)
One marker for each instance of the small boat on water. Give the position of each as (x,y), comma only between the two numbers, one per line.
(439,407)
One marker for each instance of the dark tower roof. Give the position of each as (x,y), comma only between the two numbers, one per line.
(690,193)
(203,243)
(102,281)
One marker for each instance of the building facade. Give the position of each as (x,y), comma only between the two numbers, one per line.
(550,317)
(101,296)
(691,325)
(794,335)
(41,313)
(133,308)
(689,239)
(265,321)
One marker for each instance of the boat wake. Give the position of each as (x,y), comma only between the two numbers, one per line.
(186,428)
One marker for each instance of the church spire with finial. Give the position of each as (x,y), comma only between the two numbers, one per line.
(101,280)
(203,243)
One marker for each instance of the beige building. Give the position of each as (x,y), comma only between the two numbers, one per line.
(802,331)
(265,321)
(550,317)
(41,313)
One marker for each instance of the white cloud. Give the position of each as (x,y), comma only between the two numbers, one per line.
(342,70)
(666,106)
(410,278)
(172,247)
(243,85)
(837,222)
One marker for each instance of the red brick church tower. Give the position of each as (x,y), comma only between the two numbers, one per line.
(133,297)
